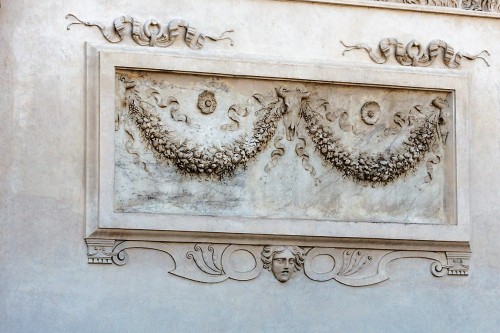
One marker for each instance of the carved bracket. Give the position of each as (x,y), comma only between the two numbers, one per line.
(211,263)
(100,251)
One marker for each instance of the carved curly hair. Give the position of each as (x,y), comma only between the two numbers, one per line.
(270,250)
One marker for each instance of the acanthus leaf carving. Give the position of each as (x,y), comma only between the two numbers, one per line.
(151,33)
(415,54)
(213,263)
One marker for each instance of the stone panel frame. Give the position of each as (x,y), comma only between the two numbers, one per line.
(104,225)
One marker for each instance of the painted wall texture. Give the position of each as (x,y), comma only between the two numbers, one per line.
(46,284)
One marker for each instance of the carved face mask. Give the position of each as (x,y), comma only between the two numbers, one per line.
(283,265)
(291,116)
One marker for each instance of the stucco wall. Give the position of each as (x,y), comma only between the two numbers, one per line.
(46,284)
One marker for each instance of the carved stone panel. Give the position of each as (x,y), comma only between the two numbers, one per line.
(209,145)
(208,149)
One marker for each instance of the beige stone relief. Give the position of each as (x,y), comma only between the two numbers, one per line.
(263,148)
(415,54)
(291,106)
(212,263)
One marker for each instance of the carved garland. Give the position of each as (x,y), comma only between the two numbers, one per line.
(207,161)
(212,263)
(427,135)
(362,167)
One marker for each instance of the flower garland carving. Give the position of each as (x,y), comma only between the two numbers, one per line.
(427,129)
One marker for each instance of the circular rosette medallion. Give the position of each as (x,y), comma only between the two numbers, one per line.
(370,113)
(207,102)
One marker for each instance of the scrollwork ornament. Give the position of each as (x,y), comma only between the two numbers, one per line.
(214,263)
(438,269)
(120,258)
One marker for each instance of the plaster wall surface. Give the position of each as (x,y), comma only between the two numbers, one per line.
(46,284)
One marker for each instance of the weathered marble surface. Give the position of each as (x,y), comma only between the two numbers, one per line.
(287,179)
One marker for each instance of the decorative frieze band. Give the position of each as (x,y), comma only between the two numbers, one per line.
(458,7)
(473,5)
(211,263)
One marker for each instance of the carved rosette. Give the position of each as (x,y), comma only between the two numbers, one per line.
(207,102)
(212,263)
(370,113)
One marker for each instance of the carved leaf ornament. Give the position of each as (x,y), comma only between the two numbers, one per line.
(426,136)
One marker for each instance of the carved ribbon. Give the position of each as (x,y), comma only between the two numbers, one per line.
(414,54)
(151,32)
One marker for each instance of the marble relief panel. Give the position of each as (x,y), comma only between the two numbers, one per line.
(189,144)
